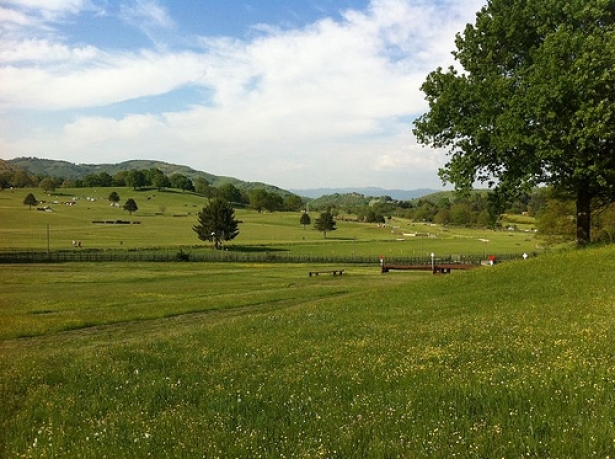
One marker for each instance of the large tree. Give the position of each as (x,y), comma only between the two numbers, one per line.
(47,184)
(230,193)
(534,103)
(157,178)
(217,223)
(136,178)
(258,199)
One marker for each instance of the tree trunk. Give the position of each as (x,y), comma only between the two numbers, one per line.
(583,216)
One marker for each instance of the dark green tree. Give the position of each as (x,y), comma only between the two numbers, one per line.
(181,181)
(534,104)
(157,178)
(325,223)
(131,206)
(293,203)
(258,199)
(217,223)
(21,179)
(5,179)
(30,200)
(136,179)
(114,197)
(305,219)
(90,180)
(230,193)
(104,179)
(274,202)
(120,179)
(47,184)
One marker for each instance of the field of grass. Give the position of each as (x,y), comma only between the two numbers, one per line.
(166,220)
(223,360)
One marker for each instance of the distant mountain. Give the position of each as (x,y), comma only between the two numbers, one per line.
(399,195)
(68,170)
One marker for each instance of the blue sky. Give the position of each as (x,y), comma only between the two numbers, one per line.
(299,94)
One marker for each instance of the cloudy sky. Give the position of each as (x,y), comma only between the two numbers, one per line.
(296,93)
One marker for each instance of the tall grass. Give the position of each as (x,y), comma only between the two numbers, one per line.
(510,361)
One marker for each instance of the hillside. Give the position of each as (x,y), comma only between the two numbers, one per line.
(68,170)
(398,195)
(5,166)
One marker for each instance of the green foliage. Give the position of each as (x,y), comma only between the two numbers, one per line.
(533,103)
(341,201)
(305,219)
(325,223)
(261,199)
(30,200)
(131,206)
(21,179)
(47,184)
(217,223)
(136,179)
(203,187)
(114,197)
(158,179)
(181,182)
(230,193)
(293,203)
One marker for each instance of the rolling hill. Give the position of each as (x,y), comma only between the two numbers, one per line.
(68,170)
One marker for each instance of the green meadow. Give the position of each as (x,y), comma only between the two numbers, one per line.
(165,221)
(207,360)
(224,360)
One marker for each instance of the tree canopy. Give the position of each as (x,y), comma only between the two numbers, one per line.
(305,219)
(114,197)
(534,104)
(47,184)
(131,206)
(30,200)
(217,223)
(325,223)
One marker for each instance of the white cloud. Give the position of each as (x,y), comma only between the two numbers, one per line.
(321,104)
(49,6)
(105,81)
(39,13)
(43,51)
(148,12)
(148,16)
(10,19)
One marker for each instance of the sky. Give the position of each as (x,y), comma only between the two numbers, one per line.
(295,93)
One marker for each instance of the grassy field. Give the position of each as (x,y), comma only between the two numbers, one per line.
(166,220)
(223,360)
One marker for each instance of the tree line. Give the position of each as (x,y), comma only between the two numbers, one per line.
(259,199)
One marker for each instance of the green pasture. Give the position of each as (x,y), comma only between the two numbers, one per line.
(45,299)
(165,221)
(221,360)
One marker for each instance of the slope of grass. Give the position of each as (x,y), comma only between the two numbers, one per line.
(166,220)
(510,361)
